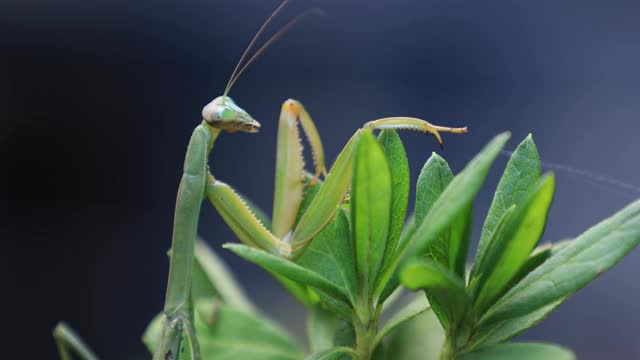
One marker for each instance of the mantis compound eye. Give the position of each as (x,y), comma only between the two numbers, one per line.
(226,114)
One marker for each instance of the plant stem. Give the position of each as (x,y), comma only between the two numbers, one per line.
(448,351)
(365,334)
(365,324)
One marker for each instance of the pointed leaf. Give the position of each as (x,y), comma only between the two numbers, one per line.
(537,257)
(520,351)
(287,269)
(505,330)
(433,179)
(507,252)
(577,264)
(458,196)
(399,169)
(521,174)
(459,239)
(370,208)
(225,333)
(451,247)
(403,243)
(441,285)
(325,203)
(330,255)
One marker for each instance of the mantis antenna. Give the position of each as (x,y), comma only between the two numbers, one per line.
(238,69)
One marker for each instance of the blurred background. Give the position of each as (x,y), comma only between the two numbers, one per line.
(98,100)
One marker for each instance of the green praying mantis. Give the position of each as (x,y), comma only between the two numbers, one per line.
(285,240)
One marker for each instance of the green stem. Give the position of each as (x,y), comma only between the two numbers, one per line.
(178,308)
(364,340)
(448,349)
(365,323)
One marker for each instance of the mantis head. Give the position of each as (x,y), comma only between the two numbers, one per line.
(223,113)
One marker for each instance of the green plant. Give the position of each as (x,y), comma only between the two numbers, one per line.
(350,274)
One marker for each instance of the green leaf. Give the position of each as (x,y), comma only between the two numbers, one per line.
(408,312)
(507,329)
(433,179)
(451,247)
(520,351)
(330,255)
(459,240)
(333,354)
(327,199)
(228,333)
(321,327)
(509,249)
(399,169)
(502,331)
(288,269)
(497,233)
(370,209)
(212,278)
(521,174)
(457,197)
(537,257)
(564,273)
(439,283)
(419,338)
(403,243)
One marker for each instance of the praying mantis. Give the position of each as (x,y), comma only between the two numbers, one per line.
(197,183)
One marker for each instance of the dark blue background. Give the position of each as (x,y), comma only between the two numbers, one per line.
(98,99)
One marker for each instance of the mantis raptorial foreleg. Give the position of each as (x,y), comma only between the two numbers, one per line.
(290,172)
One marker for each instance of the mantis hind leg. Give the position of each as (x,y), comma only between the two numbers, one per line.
(68,342)
(411,123)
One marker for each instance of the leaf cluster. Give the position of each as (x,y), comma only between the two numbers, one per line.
(350,274)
